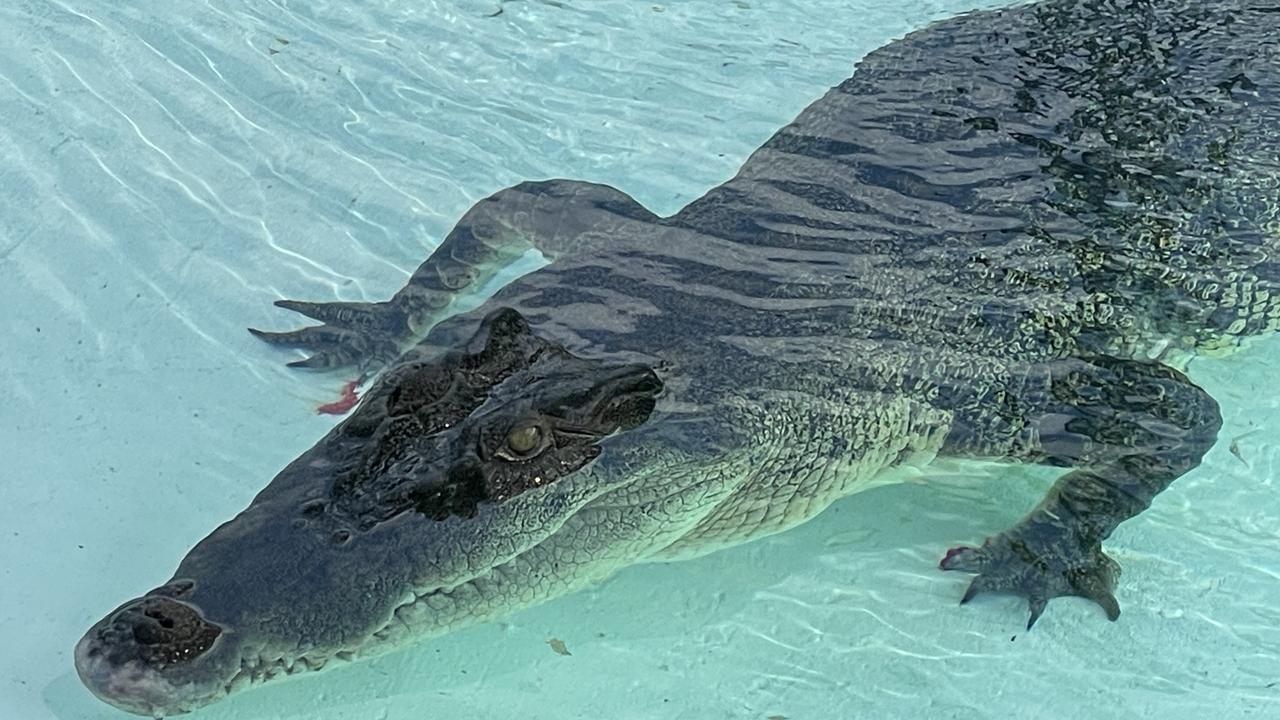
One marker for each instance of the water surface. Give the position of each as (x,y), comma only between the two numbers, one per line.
(170,171)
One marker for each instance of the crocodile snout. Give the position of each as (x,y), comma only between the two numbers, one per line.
(134,657)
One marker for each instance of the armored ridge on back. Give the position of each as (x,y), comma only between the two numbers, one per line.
(1002,238)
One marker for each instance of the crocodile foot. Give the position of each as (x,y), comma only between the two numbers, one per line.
(363,335)
(1022,564)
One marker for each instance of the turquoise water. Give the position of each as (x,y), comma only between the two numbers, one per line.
(170,172)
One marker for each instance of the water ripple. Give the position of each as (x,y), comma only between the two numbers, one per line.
(171,170)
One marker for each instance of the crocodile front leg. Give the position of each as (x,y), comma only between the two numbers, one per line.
(1127,429)
(556,217)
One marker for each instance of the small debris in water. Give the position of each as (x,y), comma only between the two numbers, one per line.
(344,403)
(558,645)
(776,717)
(1235,446)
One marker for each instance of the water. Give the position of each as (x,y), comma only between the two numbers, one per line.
(170,172)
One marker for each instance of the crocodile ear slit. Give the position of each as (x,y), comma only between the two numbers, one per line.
(500,332)
(504,322)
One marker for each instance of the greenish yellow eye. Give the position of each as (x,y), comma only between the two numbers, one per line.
(524,440)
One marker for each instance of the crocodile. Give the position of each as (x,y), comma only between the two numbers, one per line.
(1003,238)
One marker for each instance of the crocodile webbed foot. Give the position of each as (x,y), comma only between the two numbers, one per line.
(1123,428)
(1039,565)
(354,334)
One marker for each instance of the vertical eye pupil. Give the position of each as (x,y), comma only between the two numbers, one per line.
(524,439)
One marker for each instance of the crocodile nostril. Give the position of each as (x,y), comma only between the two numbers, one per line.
(158,615)
(167,630)
(148,634)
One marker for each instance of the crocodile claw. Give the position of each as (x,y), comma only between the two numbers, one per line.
(1008,564)
(346,314)
(363,335)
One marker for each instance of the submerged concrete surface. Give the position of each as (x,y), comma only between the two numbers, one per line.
(170,173)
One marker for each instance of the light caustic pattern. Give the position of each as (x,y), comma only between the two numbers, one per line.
(170,171)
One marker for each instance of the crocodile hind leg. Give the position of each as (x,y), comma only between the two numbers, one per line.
(556,217)
(1125,428)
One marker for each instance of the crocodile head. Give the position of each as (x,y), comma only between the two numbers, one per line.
(438,503)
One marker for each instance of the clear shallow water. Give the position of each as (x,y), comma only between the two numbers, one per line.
(171,172)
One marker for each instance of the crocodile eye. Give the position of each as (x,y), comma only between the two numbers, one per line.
(524,440)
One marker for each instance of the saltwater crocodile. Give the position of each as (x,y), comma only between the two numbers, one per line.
(1001,238)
